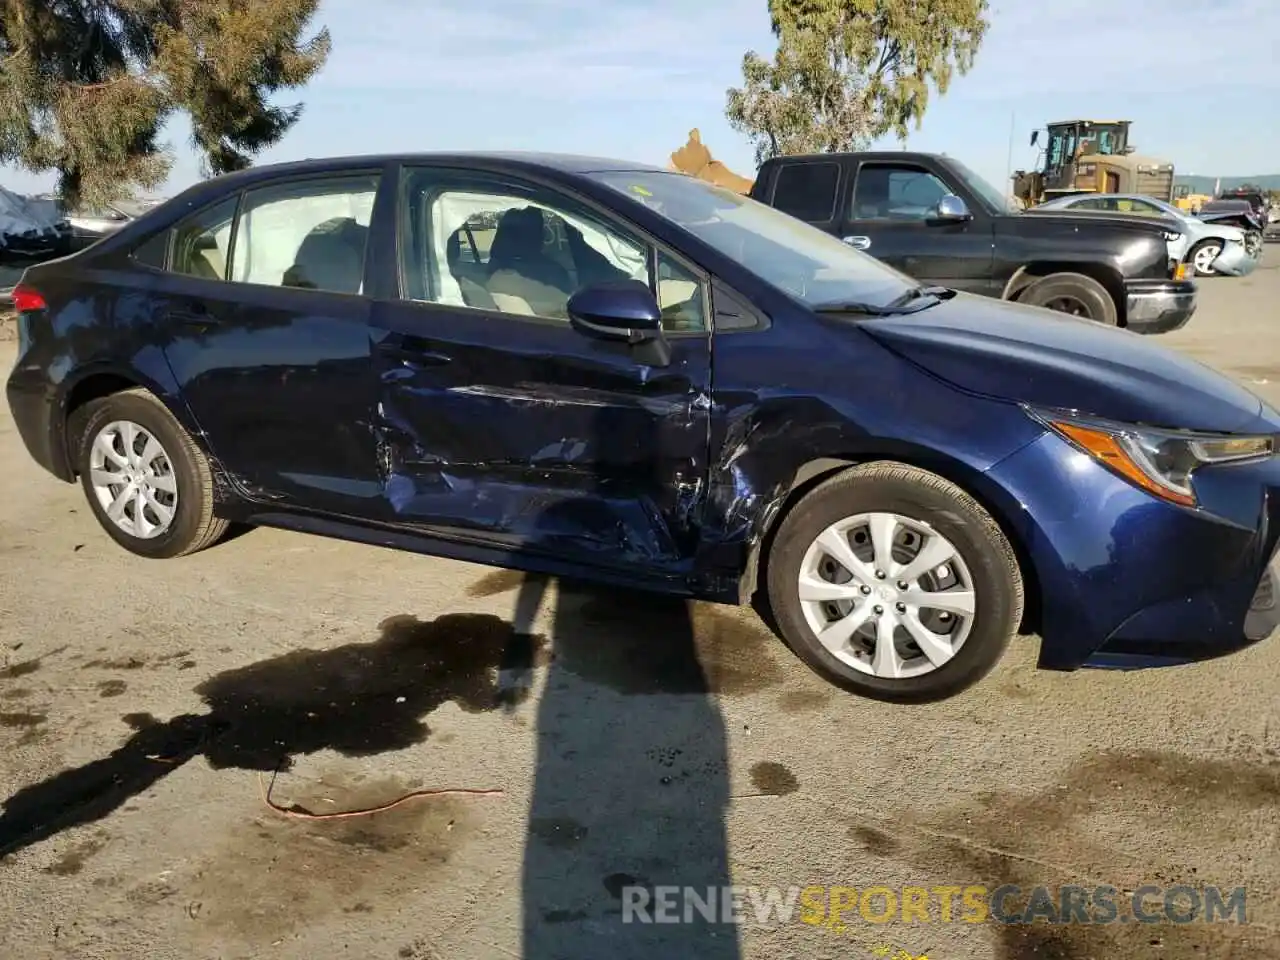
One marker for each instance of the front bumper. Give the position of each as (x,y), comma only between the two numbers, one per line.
(1158,306)
(1125,579)
(1234,261)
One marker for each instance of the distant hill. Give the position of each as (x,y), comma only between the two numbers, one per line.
(1205,184)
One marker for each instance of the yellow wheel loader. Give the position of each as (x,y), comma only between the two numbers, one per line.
(1092,156)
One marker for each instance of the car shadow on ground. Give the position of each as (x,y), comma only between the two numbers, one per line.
(632,776)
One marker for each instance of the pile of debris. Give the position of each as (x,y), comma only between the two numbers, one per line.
(32,228)
(695,159)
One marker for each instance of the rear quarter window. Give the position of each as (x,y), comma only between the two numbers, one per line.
(154,251)
(807,191)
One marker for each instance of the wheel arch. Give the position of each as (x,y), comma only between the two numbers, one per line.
(1105,274)
(95,381)
(988,495)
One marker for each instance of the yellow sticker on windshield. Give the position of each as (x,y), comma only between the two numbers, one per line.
(641,190)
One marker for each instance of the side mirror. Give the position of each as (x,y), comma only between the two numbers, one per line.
(1035,137)
(952,209)
(622,311)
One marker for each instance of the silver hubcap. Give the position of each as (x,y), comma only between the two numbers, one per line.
(887,595)
(1205,257)
(132,477)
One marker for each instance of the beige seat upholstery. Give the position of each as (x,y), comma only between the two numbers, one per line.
(671,292)
(510,303)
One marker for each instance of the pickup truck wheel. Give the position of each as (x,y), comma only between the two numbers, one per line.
(146,481)
(1202,256)
(892,582)
(1073,293)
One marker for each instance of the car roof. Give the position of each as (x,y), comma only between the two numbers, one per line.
(563,163)
(1117,196)
(870,155)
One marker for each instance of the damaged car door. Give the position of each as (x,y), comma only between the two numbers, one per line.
(262,300)
(498,422)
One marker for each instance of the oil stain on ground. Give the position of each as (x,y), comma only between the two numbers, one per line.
(638,644)
(73,859)
(496,583)
(1074,832)
(773,779)
(358,700)
(27,667)
(29,724)
(279,874)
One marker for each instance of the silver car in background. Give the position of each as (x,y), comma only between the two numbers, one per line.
(1211,249)
(90,224)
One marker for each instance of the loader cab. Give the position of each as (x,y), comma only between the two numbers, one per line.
(1072,151)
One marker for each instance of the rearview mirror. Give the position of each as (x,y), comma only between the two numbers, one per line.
(1035,137)
(952,208)
(623,311)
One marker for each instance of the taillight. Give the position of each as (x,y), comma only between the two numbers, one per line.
(26,299)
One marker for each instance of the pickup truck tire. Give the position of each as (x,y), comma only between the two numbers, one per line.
(147,483)
(1073,293)
(894,583)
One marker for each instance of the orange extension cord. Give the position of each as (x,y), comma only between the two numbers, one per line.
(303,814)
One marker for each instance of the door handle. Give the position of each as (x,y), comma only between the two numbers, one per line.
(414,351)
(858,243)
(195,316)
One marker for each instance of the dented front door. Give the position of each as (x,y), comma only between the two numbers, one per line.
(526,435)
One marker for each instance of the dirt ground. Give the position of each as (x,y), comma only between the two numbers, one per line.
(143,705)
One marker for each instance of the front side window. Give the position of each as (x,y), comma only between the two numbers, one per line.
(806,262)
(896,192)
(995,201)
(473,242)
(310,234)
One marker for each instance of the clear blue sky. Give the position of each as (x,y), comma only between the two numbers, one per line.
(630,78)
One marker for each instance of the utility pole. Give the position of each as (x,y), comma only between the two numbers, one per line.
(1008,163)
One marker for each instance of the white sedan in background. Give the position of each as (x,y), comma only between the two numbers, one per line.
(1210,249)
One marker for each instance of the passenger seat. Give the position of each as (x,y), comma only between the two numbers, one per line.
(330,257)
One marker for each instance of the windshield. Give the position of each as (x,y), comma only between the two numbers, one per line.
(1168,208)
(810,265)
(996,200)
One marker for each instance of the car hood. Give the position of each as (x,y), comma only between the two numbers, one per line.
(1031,355)
(1121,221)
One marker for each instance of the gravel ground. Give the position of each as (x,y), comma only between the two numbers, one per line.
(143,705)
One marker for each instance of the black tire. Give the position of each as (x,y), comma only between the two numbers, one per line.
(917,495)
(1090,299)
(1216,245)
(194,527)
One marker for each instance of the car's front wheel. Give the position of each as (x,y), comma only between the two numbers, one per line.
(1203,255)
(893,582)
(148,484)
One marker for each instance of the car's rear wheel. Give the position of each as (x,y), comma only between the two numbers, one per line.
(148,484)
(1202,256)
(1074,294)
(893,582)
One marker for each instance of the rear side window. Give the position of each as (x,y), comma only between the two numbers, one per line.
(310,234)
(807,191)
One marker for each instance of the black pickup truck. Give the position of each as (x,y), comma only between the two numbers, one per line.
(934,219)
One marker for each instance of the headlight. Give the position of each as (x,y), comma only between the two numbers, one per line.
(1171,236)
(1159,461)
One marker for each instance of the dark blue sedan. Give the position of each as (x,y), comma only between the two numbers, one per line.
(599,370)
